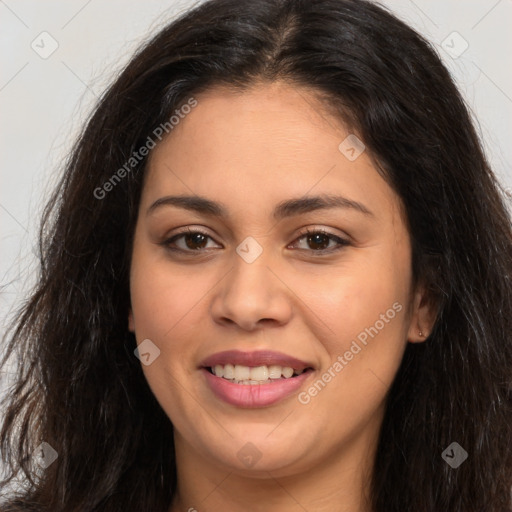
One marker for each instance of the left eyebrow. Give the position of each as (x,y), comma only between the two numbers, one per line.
(307,204)
(288,208)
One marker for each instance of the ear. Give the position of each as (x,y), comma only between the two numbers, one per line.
(131,321)
(423,316)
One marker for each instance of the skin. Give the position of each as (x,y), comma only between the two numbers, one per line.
(251,150)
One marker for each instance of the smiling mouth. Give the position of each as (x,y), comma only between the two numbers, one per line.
(255,375)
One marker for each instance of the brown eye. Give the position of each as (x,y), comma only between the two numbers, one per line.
(318,241)
(194,241)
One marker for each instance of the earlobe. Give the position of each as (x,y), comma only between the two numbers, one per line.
(423,317)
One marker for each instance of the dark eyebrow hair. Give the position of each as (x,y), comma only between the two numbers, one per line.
(284,209)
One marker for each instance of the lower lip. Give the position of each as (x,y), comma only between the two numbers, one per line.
(254,395)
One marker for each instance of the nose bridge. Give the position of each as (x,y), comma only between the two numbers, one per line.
(251,292)
(251,267)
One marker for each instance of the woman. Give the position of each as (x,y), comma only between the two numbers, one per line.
(275,276)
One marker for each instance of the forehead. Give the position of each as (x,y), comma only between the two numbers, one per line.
(281,118)
(263,144)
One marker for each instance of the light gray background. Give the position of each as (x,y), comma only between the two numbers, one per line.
(44,101)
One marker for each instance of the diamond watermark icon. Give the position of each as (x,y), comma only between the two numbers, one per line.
(454,455)
(249,455)
(44,45)
(147,352)
(351,147)
(249,250)
(44,455)
(455,45)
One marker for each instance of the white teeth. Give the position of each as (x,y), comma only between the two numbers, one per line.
(229,371)
(242,372)
(287,372)
(254,375)
(274,372)
(259,373)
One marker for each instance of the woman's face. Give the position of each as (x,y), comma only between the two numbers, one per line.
(253,294)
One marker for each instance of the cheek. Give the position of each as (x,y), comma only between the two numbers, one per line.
(166,309)
(162,296)
(169,308)
(360,322)
(343,302)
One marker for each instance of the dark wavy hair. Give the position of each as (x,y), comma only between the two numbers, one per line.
(79,386)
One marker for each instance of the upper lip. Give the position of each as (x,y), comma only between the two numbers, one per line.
(255,358)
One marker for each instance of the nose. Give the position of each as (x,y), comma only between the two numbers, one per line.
(251,296)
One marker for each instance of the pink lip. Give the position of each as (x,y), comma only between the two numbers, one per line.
(256,358)
(257,395)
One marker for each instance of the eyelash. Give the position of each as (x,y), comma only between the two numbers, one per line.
(191,252)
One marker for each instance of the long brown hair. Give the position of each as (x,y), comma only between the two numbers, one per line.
(79,386)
